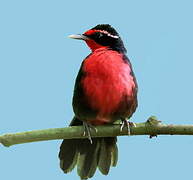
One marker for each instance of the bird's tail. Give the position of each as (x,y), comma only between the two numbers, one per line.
(102,153)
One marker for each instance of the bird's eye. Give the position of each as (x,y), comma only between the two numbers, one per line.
(99,35)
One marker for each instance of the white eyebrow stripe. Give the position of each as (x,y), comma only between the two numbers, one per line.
(108,34)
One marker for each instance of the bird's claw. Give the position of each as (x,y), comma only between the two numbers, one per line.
(127,124)
(87,130)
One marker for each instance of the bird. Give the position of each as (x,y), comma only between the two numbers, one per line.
(105,91)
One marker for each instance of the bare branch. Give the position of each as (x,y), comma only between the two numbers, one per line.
(151,127)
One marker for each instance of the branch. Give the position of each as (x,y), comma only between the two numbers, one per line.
(151,127)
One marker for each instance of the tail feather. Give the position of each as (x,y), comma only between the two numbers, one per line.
(104,158)
(68,156)
(114,154)
(87,161)
(102,153)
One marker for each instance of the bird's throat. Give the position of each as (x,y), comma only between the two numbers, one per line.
(93,45)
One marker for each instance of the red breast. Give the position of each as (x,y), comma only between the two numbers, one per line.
(107,80)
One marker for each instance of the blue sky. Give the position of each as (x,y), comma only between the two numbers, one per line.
(38,66)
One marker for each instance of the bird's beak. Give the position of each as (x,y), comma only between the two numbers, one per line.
(78,36)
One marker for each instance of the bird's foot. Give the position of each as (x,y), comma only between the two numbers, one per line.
(87,130)
(126,124)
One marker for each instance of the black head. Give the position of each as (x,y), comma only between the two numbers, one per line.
(106,35)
